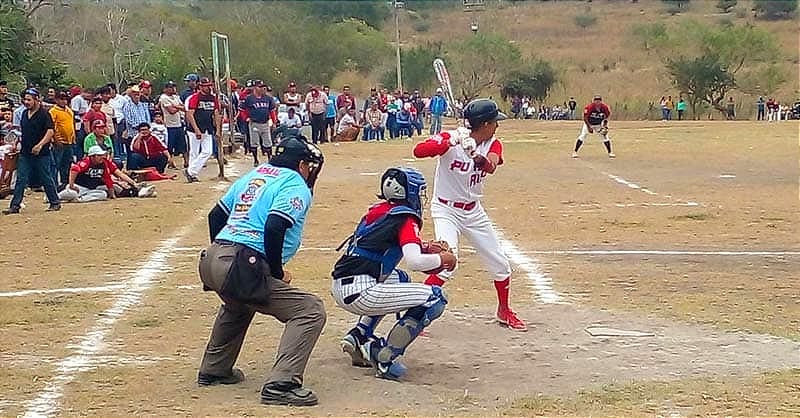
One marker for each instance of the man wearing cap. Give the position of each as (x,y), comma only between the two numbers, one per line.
(205,120)
(466,156)
(258,106)
(34,158)
(63,138)
(136,112)
(90,178)
(317,105)
(99,138)
(292,98)
(5,101)
(146,89)
(256,229)
(172,108)
(437,107)
(595,120)
(191,80)
(147,151)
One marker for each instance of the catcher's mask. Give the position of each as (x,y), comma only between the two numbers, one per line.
(296,149)
(406,186)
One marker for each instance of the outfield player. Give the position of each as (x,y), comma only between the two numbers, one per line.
(465,158)
(595,119)
(255,229)
(367,283)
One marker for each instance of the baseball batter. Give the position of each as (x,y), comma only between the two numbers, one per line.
(366,281)
(595,119)
(466,157)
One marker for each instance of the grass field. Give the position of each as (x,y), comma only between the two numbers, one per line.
(689,237)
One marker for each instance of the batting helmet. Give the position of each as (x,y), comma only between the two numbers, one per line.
(480,111)
(404,185)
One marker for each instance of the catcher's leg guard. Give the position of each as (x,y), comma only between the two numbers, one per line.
(404,333)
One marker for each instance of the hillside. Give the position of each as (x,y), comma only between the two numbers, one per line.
(602,58)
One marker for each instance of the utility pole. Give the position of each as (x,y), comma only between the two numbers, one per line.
(397,6)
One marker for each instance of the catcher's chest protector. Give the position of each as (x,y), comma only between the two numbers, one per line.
(377,241)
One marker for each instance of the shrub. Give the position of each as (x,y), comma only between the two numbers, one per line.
(584,20)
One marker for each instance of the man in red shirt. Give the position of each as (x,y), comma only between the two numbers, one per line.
(595,120)
(205,120)
(90,178)
(345,101)
(147,151)
(94,113)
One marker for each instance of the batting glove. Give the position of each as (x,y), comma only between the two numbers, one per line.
(469,145)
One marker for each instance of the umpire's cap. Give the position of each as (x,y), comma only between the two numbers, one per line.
(480,111)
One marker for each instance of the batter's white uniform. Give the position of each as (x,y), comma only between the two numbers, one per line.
(456,206)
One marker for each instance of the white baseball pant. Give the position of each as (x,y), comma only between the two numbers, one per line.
(367,297)
(596,129)
(199,152)
(450,223)
(83,194)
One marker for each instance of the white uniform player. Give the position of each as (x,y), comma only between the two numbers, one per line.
(366,281)
(466,157)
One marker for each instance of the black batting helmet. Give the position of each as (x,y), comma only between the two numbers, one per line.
(480,111)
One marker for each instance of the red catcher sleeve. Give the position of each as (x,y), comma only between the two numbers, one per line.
(434,146)
(193,100)
(497,148)
(409,232)
(81,166)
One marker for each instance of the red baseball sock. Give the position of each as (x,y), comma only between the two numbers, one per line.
(434,280)
(502,292)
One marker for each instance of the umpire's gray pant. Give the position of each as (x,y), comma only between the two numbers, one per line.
(303,314)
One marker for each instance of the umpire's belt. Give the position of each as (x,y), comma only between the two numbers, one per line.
(459,205)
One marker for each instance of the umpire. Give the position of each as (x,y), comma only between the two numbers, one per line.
(255,229)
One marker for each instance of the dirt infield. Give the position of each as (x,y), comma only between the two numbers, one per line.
(676,266)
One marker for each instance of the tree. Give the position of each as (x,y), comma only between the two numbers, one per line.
(651,35)
(726,5)
(417,66)
(775,9)
(372,13)
(481,62)
(16,34)
(702,79)
(534,80)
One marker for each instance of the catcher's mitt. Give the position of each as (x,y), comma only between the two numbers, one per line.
(435,247)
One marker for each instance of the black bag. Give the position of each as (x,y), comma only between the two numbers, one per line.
(248,278)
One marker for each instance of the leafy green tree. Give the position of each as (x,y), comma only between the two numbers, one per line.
(417,67)
(702,79)
(481,62)
(15,36)
(775,9)
(534,80)
(373,13)
(651,35)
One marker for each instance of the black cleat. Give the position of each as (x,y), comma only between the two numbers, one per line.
(54,208)
(235,377)
(287,393)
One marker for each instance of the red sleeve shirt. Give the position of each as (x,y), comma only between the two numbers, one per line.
(434,146)
(85,164)
(497,148)
(150,147)
(595,115)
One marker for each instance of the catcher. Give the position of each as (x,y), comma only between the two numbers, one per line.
(366,281)
(595,119)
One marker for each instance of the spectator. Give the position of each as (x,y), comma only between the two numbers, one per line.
(516,106)
(158,129)
(330,114)
(90,178)
(172,108)
(5,101)
(98,137)
(670,106)
(241,120)
(731,109)
(50,99)
(418,111)
(136,112)
(95,113)
(317,105)
(438,107)
(290,120)
(80,105)
(348,129)
(117,101)
(403,121)
(772,110)
(63,138)
(663,105)
(760,106)
(107,109)
(393,105)
(572,106)
(191,80)
(34,157)
(292,98)
(205,121)
(146,90)
(373,128)
(345,101)
(681,108)
(373,97)
(147,150)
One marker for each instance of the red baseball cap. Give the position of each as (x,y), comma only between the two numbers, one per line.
(98,124)
(144,84)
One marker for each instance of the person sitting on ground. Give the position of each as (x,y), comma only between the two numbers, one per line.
(147,151)
(403,121)
(348,128)
(98,137)
(289,125)
(373,128)
(90,180)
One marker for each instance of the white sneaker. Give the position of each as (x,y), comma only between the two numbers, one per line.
(612,155)
(147,191)
(574,154)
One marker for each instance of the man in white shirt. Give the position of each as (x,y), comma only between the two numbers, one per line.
(290,119)
(172,108)
(348,129)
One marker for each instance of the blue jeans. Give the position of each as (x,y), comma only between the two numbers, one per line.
(62,156)
(120,145)
(436,124)
(39,165)
(373,133)
(138,161)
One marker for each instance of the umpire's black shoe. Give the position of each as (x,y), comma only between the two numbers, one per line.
(287,393)
(235,377)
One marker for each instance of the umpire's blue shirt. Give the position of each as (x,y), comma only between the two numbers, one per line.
(264,191)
